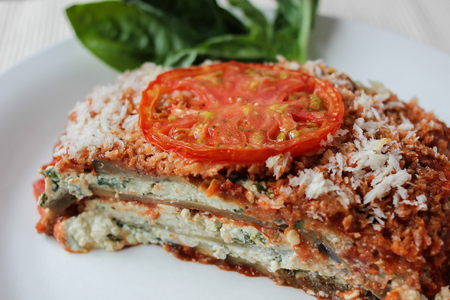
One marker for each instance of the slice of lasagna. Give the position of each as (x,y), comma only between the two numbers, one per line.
(290,171)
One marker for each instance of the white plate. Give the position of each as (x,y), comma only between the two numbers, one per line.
(35,97)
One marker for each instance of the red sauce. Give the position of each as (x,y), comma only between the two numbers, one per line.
(38,188)
(190,254)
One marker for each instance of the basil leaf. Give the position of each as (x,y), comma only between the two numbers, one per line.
(287,36)
(258,25)
(294,22)
(124,36)
(224,47)
(205,17)
(181,33)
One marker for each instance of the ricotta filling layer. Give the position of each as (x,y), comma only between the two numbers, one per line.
(105,225)
(81,185)
(113,225)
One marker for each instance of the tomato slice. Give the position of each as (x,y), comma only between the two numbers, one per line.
(239,113)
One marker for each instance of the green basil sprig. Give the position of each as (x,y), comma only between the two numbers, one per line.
(178,33)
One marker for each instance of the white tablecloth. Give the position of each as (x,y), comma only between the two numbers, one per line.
(27,26)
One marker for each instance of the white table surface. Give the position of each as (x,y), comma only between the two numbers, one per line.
(27,26)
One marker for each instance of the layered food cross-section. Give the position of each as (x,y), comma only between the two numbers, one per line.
(290,171)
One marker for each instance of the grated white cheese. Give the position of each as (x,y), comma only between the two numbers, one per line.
(444,294)
(279,164)
(366,102)
(380,216)
(336,165)
(406,126)
(316,185)
(313,67)
(331,138)
(98,120)
(393,104)
(420,202)
(376,162)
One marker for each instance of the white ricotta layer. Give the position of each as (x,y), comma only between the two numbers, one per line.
(113,226)
(170,190)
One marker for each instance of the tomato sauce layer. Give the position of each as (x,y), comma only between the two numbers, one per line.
(239,113)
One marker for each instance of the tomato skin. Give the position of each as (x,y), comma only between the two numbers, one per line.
(238,113)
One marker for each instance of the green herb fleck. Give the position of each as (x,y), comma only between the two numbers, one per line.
(54,176)
(113,238)
(219,226)
(247,238)
(259,236)
(233,177)
(278,258)
(250,239)
(118,222)
(135,227)
(239,211)
(51,173)
(42,200)
(128,226)
(261,187)
(299,224)
(113,182)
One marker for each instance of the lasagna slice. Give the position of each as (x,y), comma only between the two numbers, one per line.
(361,212)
